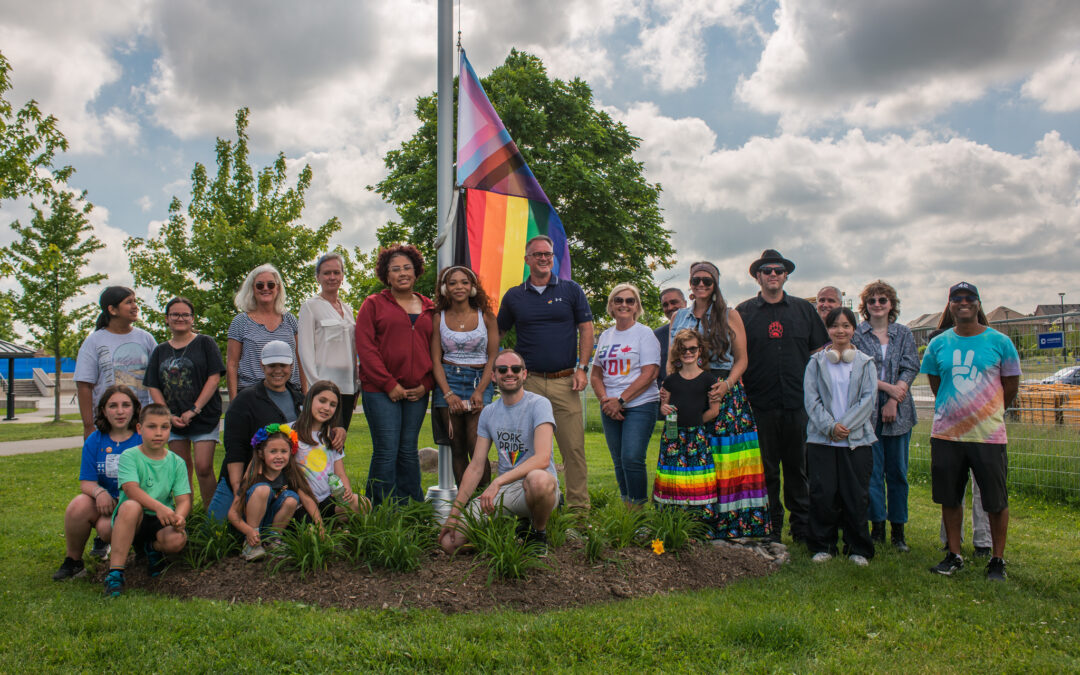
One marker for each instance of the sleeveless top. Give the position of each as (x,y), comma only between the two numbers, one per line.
(685,318)
(465,348)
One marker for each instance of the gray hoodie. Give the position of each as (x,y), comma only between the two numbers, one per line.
(862,396)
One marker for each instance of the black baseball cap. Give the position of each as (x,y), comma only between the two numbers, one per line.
(965,286)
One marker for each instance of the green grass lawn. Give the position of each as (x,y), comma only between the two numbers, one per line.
(20,431)
(892,616)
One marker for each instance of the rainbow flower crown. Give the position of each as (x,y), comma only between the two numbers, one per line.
(262,434)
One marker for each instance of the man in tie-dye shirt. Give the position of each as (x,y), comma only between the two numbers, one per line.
(974,372)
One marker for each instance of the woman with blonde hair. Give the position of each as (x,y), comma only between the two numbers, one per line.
(624,379)
(262,319)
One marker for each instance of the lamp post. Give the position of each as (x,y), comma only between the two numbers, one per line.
(1064,349)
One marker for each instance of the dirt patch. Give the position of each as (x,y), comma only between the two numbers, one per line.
(459,584)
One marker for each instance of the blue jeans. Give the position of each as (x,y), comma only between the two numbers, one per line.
(628,441)
(222,500)
(273,504)
(890,471)
(395,461)
(462,381)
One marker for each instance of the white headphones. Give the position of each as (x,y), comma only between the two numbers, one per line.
(468,272)
(835,357)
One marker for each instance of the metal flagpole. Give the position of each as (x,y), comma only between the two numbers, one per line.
(443,495)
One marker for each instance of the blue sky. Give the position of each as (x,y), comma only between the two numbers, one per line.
(920,141)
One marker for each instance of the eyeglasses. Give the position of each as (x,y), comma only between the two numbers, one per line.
(876,301)
(174,315)
(671,303)
(960,299)
(270,285)
(631,301)
(513,369)
(543,255)
(707,282)
(772,270)
(401,268)
(690,350)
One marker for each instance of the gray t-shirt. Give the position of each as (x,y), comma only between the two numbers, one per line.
(511,428)
(106,359)
(284,401)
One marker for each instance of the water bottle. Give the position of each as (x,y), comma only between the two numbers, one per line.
(671,424)
(337,488)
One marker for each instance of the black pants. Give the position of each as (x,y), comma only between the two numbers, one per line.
(782,436)
(347,405)
(839,496)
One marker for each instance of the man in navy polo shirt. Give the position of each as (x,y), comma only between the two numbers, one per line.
(781,333)
(555,337)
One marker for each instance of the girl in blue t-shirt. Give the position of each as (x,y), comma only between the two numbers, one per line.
(115,418)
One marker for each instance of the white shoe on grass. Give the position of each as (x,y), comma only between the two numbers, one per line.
(858,560)
(822,557)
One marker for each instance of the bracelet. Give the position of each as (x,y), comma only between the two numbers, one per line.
(98,491)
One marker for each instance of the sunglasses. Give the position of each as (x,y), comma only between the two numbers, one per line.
(174,315)
(958,299)
(513,369)
(270,285)
(690,350)
(631,301)
(707,282)
(670,303)
(876,301)
(772,270)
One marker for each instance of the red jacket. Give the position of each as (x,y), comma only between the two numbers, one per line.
(390,348)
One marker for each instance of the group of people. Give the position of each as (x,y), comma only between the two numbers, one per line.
(745,393)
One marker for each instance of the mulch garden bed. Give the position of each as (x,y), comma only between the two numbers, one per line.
(459,584)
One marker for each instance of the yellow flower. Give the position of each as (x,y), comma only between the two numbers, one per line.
(657,546)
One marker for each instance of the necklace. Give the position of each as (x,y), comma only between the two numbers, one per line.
(179,354)
(460,318)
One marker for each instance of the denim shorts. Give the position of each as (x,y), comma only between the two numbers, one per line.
(462,381)
(274,504)
(179,435)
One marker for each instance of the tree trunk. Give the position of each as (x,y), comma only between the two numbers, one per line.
(56,384)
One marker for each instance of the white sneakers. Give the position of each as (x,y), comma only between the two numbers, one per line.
(822,557)
(854,557)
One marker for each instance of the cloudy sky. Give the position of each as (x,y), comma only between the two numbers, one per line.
(919,141)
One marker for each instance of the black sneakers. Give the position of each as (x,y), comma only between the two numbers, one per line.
(950,564)
(539,538)
(69,569)
(898,541)
(100,550)
(995,570)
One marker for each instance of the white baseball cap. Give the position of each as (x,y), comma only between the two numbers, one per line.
(277,351)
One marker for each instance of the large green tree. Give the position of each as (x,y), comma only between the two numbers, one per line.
(47,260)
(235,222)
(28,142)
(583,160)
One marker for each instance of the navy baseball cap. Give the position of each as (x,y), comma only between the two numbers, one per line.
(965,286)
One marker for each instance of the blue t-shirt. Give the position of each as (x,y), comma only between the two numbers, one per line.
(970,401)
(547,336)
(101,459)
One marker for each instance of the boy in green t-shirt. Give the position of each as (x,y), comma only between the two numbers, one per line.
(155,500)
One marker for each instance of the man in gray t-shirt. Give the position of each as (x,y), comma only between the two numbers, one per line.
(521,426)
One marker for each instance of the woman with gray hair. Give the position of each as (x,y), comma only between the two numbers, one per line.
(262,319)
(324,339)
(624,379)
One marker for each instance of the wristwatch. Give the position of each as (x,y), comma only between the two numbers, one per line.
(622,403)
(196,409)
(584,367)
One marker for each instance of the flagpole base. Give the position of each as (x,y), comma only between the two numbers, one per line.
(442,496)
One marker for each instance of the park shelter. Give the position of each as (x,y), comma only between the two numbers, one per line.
(12,351)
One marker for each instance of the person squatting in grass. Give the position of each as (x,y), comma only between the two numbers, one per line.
(974,372)
(840,390)
(116,418)
(156,500)
(272,489)
(522,427)
(323,466)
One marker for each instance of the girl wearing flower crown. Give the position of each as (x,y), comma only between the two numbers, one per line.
(272,489)
(324,466)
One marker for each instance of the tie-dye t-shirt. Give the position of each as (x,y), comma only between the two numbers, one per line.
(318,463)
(970,399)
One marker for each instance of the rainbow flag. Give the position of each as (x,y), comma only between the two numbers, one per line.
(504,205)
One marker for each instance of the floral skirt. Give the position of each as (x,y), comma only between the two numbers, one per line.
(715,472)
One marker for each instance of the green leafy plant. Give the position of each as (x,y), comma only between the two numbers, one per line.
(303,547)
(675,527)
(601,497)
(557,526)
(621,525)
(209,539)
(595,545)
(498,547)
(389,537)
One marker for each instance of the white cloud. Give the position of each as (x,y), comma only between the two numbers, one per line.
(920,211)
(63,56)
(672,51)
(885,63)
(1057,85)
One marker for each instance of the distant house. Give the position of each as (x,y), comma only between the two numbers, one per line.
(922,326)
(1054,311)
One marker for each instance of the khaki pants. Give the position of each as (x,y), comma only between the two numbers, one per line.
(569,434)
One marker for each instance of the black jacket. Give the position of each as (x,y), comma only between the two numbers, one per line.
(251,411)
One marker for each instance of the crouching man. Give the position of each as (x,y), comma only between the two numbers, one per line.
(522,427)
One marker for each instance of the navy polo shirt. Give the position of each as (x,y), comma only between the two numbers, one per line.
(547,336)
(663,335)
(779,339)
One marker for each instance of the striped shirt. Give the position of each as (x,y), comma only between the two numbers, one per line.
(252,337)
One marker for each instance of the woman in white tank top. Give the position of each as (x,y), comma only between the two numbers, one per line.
(464,343)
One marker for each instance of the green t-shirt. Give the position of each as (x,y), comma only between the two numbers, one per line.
(162,479)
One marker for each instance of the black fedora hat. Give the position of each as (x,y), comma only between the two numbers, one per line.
(770,255)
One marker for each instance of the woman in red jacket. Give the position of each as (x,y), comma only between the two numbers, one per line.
(393,337)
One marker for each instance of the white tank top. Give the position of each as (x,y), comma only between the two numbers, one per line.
(465,348)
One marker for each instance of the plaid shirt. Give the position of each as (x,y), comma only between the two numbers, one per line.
(901,363)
